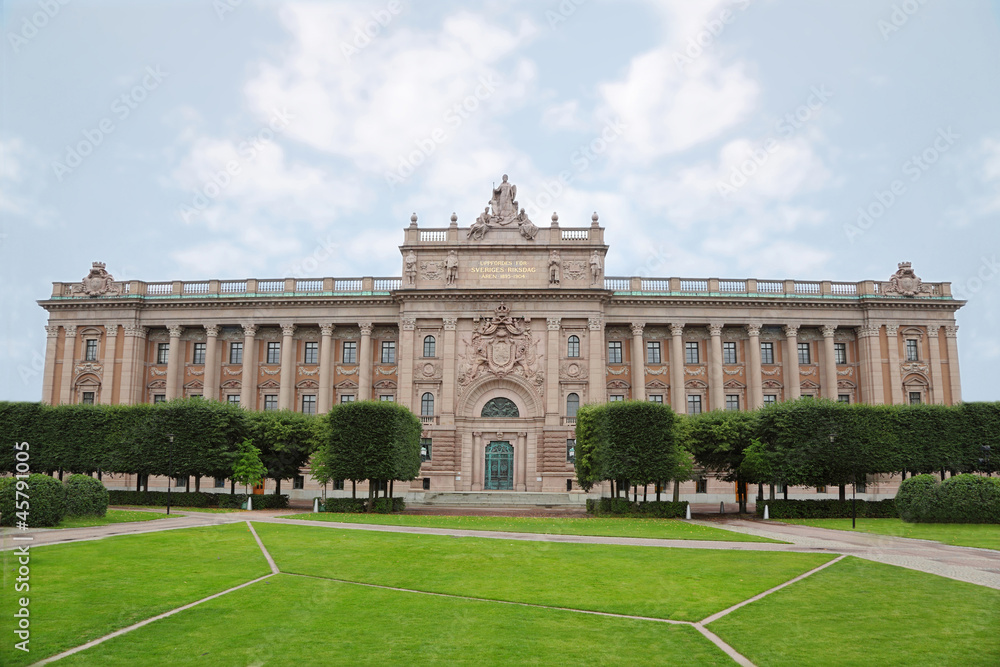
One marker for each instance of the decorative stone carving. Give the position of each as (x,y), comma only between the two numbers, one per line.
(450,323)
(525,226)
(891,330)
(773,371)
(88,367)
(410,268)
(844,384)
(344,370)
(753,329)
(572,370)
(269,371)
(98,283)
(500,346)
(211,331)
(849,371)
(196,372)
(308,371)
(791,330)
(249,329)
(656,371)
(503,203)
(905,283)
(676,329)
(618,384)
(596,266)
(951,331)
(156,371)
(326,329)
(868,331)
(913,367)
(811,370)
(828,330)
(287,329)
(697,371)
(431,270)
(52,330)
(385,370)
(574,269)
(617,332)
(451,268)
(715,329)
(387,333)
(554,267)
(366,328)
(232,371)
(408,323)
(621,371)
(637,328)
(771,384)
(430,370)
(734,371)
(553,323)
(175,331)
(111,329)
(595,323)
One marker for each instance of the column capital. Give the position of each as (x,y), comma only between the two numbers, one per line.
(829,330)
(951,331)
(595,323)
(249,329)
(553,323)
(110,329)
(753,329)
(637,328)
(366,328)
(891,330)
(70,330)
(932,329)
(677,329)
(212,330)
(326,328)
(136,331)
(868,330)
(715,329)
(52,330)
(791,330)
(408,324)
(450,323)
(175,330)
(287,329)
(477,434)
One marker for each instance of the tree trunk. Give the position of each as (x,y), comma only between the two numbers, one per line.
(842,491)
(785,487)
(277,487)
(197,483)
(232,486)
(390,488)
(677,491)
(635,493)
(138,483)
(354,489)
(645,490)
(659,487)
(771,491)
(760,491)
(60,474)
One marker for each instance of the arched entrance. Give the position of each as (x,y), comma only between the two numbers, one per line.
(499,473)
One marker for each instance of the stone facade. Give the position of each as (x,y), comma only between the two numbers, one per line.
(503,312)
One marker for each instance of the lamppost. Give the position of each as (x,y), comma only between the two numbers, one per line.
(170,467)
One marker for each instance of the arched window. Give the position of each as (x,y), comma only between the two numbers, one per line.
(500,407)
(573,346)
(427,405)
(572,405)
(429,346)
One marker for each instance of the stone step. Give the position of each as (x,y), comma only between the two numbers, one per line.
(499,499)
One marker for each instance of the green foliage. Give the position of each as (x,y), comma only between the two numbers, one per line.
(360,505)
(266,501)
(85,496)
(827,509)
(39,501)
(719,439)
(248,468)
(589,430)
(959,499)
(623,507)
(197,499)
(639,443)
(285,440)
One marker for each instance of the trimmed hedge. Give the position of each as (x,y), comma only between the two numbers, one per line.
(621,507)
(268,501)
(45,505)
(85,496)
(358,505)
(958,499)
(827,509)
(196,499)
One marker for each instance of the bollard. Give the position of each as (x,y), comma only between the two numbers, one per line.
(687,512)
(722,508)
(766,515)
(315,504)
(249,503)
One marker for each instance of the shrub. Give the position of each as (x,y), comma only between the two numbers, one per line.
(85,496)
(159,498)
(624,507)
(45,504)
(268,501)
(967,499)
(912,494)
(827,509)
(359,505)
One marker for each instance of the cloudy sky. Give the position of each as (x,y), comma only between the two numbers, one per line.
(242,138)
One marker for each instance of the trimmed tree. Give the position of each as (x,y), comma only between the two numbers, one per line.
(285,439)
(248,469)
(589,426)
(719,440)
(639,444)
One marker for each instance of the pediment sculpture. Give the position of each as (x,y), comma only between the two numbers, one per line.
(500,346)
(502,211)
(905,282)
(98,283)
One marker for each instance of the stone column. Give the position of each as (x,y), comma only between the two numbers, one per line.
(325,397)
(248,377)
(175,365)
(895,379)
(552,354)
(133,364)
(286,392)
(871,363)
(828,371)
(638,363)
(365,362)
(951,334)
(108,362)
(448,373)
(793,389)
(716,392)
(69,361)
(521,470)
(598,377)
(678,398)
(934,345)
(404,360)
(755,390)
(477,461)
(211,376)
(49,377)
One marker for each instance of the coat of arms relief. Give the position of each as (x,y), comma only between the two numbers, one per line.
(98,283)
(500,346)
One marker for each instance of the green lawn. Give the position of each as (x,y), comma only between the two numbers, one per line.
(288,620)
(984,535)
(113,516)
(667,529)
(681,584)
(857,612)
(83,590)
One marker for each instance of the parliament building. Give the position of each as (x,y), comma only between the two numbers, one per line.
(495,334)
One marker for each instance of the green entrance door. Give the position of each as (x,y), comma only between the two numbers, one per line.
(499,466)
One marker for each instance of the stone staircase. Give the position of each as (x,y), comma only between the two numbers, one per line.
(499,499)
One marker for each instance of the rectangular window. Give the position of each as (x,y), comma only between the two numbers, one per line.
(236,353)
(729,352)
(840,353)
(159,398)
(387,397)
(912,350)
(270,402)
(299,482)
(388,352)
(614,352)
(656,398)
(732,402)
(427,484)
(843,398)
(88,398)
(804,357)
(312,353)
(219,483)
(350,352)
(694,405)
(338,485)
(571,450)
(691,352)
(233,399)
(767,353)
(915,398)
(309,404)
(347,398)
(701,485)
(162,353)
(91,351)
(180,482)
(274,352)
(770,399)
(614,398)
(653,352)
(821,488)
(198,357)
(425,449)
(862,485)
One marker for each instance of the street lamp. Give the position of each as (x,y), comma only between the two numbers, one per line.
(170,467)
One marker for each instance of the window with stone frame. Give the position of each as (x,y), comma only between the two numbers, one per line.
(311,353)
(767,353)
(912,349)
(804,354)
(233,399)
(427,404)
(309,404)
(840,353)
(694,404)
(916,398)
(430,346)
(843,398)
(347,398)
(87,398)
(692,353)
(770,399)
(614,352)
(572,404)
(388,352)
(732,402)
(573,346)
(653,355)
(729,352)
(159,398)
(425,449)
(90,350)
(655,398)
(273,352)
(270,402)
(236,353)
(349,352)
(701,485)
(198,354)
(162,353)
